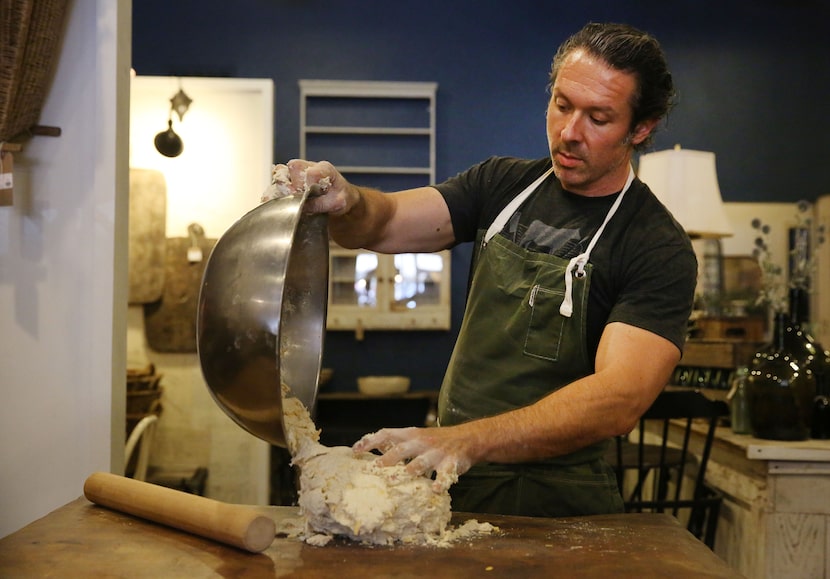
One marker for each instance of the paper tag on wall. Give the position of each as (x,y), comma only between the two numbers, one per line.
(194,254)
(6,178)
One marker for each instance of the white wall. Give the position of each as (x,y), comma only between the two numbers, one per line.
(63,255)
(779,216)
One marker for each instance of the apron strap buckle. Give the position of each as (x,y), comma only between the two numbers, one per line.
(566,308)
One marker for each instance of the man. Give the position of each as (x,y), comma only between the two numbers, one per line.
(582,284)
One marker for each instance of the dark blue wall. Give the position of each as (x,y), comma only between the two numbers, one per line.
(753,78)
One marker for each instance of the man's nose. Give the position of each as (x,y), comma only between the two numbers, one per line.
(571,130)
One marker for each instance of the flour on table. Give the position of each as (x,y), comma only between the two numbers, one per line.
(349,495)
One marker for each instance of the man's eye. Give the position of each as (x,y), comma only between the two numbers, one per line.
(599,122)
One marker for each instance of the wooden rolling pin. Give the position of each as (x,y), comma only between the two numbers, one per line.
(235,525)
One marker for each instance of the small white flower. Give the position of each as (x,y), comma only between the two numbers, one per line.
(774,283)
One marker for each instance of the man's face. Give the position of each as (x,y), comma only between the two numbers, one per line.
(588,121)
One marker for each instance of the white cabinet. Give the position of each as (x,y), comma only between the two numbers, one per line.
(369,291)
(382,135)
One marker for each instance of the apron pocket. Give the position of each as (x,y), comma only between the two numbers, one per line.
(546,325)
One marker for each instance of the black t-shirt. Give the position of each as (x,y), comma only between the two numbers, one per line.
(644,267)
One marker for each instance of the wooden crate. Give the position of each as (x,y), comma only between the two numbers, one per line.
(745,328)
(718,353)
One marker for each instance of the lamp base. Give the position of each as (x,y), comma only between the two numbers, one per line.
(711,277)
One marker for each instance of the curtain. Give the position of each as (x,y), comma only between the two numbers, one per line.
(30,35)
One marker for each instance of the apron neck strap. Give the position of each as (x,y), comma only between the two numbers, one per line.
(511,207)
(578,262)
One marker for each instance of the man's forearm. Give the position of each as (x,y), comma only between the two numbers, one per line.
(363,226)
(576,416)
(596,407)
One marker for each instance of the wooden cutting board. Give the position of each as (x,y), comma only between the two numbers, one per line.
(84,540)
(147,235)
(170,322)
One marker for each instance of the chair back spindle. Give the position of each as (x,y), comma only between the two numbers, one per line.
(659,469)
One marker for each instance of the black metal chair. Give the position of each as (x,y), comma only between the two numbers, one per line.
(669,465)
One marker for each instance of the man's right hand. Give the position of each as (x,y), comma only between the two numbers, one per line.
(328,191)
(413,220)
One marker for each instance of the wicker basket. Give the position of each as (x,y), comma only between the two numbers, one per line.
(31,31)
(144,401)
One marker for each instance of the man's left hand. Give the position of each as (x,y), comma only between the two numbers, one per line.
(425,450)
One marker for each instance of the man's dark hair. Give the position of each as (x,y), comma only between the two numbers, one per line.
(633,51)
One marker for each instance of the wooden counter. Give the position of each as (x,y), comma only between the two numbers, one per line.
(85,540)
(775,520)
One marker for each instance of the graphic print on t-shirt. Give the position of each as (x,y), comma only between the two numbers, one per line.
(544,238)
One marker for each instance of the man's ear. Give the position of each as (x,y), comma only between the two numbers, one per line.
(643,130)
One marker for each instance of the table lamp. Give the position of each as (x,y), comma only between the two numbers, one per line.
(686,182)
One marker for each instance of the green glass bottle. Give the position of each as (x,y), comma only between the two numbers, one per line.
(812,357)
(780,391)
(738,406)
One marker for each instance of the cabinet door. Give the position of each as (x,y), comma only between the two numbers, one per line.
(353,279)
(417,280)
(391,292)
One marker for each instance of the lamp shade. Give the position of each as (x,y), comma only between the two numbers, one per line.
(686,182)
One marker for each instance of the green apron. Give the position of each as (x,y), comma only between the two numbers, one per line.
(523,336)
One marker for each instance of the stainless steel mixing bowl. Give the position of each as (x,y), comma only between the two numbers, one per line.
(262,314)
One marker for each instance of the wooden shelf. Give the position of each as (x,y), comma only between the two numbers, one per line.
(324,130)
(386,140)
(368,89)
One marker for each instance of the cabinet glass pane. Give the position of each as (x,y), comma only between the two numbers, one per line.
(354,279)
(418,279)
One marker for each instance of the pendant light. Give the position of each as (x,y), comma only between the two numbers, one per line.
(168,143)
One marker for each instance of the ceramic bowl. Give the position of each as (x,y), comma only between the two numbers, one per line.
(378,385)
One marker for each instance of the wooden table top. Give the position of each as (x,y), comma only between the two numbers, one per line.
(84,540)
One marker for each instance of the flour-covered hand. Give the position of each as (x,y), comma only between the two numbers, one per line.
(328,191)
(424,450)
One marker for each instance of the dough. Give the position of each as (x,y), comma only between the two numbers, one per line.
(347,494)
(281,184)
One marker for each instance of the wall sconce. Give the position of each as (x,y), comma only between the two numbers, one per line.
(686,182)
(180,103)
(168,143)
